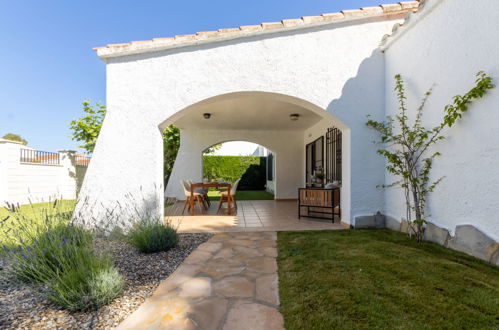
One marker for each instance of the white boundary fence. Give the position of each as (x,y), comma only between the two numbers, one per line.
(31,175)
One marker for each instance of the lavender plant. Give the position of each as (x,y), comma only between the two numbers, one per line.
(150,234)
(59,258)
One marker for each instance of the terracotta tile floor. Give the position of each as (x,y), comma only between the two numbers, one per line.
(251,216)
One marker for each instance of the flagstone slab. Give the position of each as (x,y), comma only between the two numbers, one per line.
(246,251)
(219,272)
(182,274)
(247,315)
(241,242)
(270,243)
(210,247)
(250,274)
(267,289)
(225,262)
(234,286)
(269,251)
(183,323)
(157,312)
(197,257)
(262,265)
(196,288)
(224,253)
(209,313)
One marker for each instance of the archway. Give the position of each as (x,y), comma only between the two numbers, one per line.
(251,163)
(284,124)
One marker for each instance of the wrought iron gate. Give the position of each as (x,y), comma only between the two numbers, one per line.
(333,154)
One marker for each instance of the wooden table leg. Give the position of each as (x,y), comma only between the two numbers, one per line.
(228,202)
(192,201)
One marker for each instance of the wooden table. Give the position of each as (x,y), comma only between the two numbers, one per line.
(210,185)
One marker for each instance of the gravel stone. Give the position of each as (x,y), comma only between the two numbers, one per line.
(22,307)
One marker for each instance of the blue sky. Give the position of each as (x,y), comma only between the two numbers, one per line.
(48,67)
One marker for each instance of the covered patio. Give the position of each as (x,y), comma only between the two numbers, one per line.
(299,135)
(259,215)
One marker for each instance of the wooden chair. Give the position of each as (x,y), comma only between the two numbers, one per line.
(225,196)
(195,197)
(202,191)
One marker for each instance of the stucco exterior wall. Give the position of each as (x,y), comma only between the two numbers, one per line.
(336,68)
(446,44)
(24,182)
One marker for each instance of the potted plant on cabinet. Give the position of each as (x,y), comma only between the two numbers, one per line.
(319,178)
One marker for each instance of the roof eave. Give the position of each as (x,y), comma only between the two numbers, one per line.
(202,38)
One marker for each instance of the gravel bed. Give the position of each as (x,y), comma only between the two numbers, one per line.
(22,308)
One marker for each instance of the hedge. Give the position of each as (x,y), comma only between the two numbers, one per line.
(251,170)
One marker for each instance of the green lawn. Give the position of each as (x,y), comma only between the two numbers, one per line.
(359,279)
(30,215)
(242,195)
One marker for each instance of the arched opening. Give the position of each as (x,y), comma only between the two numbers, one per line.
(251,163)
(289,126)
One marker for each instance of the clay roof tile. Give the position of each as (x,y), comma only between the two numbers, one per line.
(180,40)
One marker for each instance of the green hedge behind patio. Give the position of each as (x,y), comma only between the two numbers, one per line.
(251,170)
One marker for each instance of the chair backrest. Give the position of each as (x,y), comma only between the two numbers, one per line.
(234,187)
(186,186)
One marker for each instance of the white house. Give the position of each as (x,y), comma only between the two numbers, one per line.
(332,71)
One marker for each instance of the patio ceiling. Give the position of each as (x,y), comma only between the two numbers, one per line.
(248,113)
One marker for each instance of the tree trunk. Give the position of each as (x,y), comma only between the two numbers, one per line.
(418,212)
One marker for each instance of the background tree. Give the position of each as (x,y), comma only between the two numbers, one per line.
(406,146)
(15,137)
(211,150)
(87,128)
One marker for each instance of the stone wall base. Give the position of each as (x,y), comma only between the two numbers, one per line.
(467,238)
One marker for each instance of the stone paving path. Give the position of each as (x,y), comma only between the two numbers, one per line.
(229,282)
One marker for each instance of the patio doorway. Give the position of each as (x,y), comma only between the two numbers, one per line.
(251,163)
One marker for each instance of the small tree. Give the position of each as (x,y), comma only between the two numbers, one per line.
(87,128)
(171,144)
(15,137)
(407,144)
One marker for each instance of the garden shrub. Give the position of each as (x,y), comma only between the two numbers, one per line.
(250,169)
(47,253)
(51,251)
(87,283)
(150,236)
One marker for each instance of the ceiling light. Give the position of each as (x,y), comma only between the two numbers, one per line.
(294,116)
(207,115)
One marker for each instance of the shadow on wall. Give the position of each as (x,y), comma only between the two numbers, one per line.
(364,95)
(361,96)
